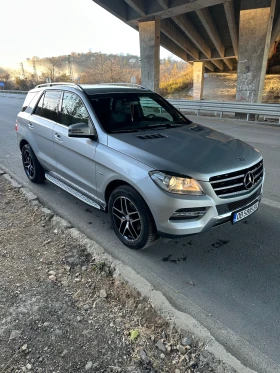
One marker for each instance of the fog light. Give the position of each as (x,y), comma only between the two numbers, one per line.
(188,213)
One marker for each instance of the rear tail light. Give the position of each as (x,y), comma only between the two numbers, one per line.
(16,128)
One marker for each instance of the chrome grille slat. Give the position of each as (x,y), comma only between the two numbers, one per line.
(227,179)
(227,185)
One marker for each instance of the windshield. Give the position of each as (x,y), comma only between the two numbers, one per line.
(126,112)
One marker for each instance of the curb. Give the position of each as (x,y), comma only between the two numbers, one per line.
(225,362)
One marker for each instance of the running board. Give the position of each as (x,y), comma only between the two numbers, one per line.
(76,191)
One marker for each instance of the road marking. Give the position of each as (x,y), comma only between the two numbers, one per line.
(271,203)
(5,120)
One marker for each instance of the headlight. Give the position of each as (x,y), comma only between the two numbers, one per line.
(176,184)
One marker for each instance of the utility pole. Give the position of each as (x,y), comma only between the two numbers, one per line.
(22,70)
(35,69)
(70,68)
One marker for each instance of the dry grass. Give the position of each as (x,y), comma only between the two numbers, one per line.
(175,79)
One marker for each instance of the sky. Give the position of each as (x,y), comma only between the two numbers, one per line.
(49,28)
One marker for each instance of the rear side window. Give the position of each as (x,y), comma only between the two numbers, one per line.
(29,99)
(48,105)
(73,110)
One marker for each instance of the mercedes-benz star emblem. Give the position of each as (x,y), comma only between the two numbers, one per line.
(249,180)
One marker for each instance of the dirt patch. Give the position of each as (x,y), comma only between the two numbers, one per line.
(63,310)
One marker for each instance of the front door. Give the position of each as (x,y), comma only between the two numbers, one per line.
(75,157)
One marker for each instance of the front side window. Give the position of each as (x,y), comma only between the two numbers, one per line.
(48,105)
(123,112)
(73,110)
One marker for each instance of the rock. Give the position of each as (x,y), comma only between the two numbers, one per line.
(186,341)
(103,293)
(168,349)
(88,365)
(64,353)
(24,347)
(143,356)
(131,304)
(28,366)
(192,363)
(48,213)
(14,334)
(164,335)
(46,242)
(85,307)
(177,370)
(52,278)
(162,356)
(51,273)
(181,349)
(160,346)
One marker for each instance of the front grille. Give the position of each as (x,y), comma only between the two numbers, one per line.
(233,206)
(232,183)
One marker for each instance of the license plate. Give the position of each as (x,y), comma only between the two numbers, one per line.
(237,216)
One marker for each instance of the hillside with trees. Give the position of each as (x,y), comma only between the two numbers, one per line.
(93,67)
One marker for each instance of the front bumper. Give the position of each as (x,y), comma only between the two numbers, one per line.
(163,205)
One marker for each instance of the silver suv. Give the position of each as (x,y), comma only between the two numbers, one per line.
(125,150)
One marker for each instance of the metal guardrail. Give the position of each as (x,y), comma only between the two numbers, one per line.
(265,110)
(15,92)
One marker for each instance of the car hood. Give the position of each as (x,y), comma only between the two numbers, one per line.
(191,150)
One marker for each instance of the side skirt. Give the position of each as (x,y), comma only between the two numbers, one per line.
(76,191)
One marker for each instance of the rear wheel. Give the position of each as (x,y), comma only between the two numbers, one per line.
(34,171)
(131,218)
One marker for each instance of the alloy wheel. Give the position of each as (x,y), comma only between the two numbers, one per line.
(126,218)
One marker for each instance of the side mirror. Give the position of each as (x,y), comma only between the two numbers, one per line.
(80,130)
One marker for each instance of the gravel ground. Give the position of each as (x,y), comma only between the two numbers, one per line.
(63,310)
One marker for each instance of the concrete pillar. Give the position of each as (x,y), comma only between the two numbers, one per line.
(149,34)
(256,18)
(198,80)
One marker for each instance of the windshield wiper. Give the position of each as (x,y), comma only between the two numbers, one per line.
(125,130)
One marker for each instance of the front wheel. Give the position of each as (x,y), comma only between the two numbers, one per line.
(34,171)
(131,218)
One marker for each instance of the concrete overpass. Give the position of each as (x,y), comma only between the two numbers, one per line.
(216,35)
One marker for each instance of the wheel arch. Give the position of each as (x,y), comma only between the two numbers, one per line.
(111,187)
(22,143)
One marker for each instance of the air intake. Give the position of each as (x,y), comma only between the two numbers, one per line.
(197,128)
(151,136)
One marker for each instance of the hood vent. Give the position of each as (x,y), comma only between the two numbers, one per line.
(197,128)
(151,136)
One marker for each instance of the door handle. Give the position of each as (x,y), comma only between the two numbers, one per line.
(30,125)
(58,137)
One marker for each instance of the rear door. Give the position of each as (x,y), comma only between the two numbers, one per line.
(75,157)
(41,123)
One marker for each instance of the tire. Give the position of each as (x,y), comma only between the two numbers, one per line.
(131,218)
(34,171)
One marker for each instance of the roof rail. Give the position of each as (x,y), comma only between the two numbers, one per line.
(126,84)
(58,83)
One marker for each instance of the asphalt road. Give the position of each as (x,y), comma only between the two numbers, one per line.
(228,279)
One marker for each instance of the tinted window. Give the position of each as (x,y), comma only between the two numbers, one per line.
(135,111)
(73,110)
(28,99)
(47,106)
